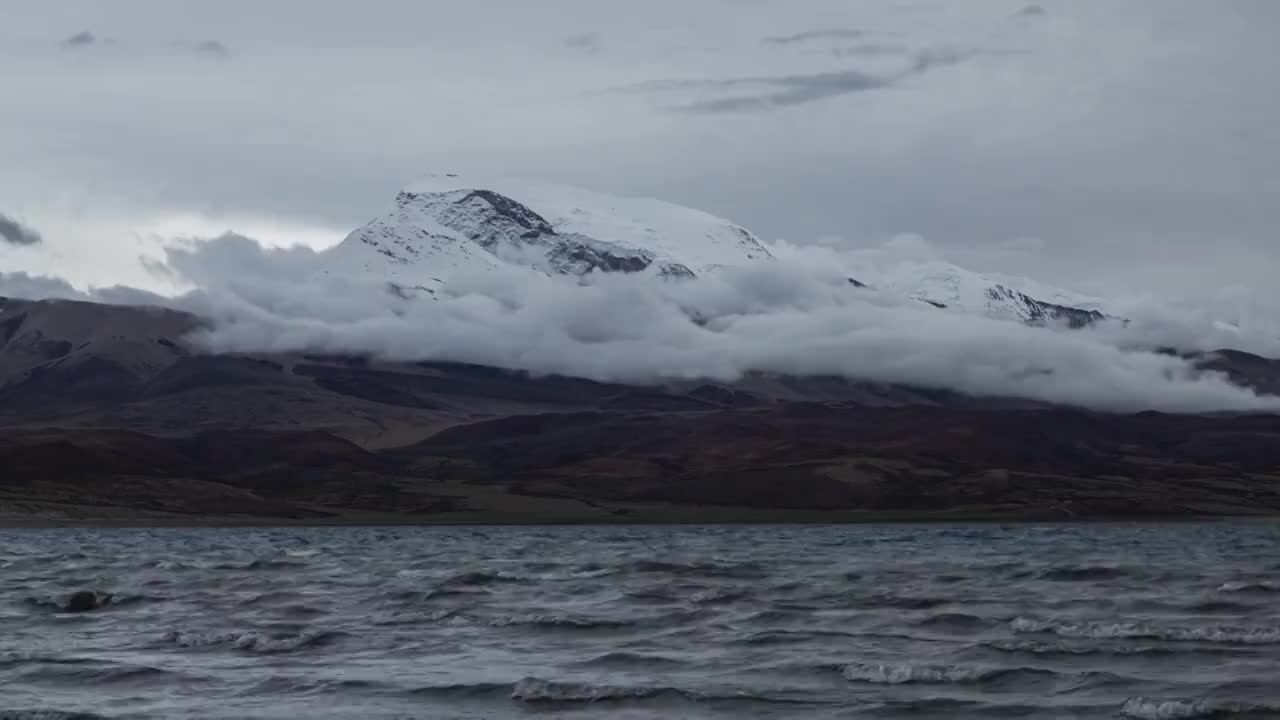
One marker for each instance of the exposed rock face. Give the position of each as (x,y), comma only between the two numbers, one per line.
(1038,312)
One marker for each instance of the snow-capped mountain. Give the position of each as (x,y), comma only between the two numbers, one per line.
(449,223)
(1004,297)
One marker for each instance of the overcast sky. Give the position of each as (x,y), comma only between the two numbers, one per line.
(1108,146)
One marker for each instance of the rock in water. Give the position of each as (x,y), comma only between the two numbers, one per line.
(85,601)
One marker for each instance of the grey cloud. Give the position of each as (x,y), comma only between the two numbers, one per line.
(26,286)
(80,39)
(1032,11)
(15,233)
(800,89)
(807,36)
(873,50)
(587,41)
(213,47)
(37,287)
(793,90)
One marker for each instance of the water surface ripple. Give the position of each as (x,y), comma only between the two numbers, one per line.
(945,621)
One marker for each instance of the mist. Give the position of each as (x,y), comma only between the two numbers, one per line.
(798,315)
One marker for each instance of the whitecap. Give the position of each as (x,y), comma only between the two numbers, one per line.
(903,673)
(1144,631)
(251,641)
(1142,708)
(1249,586)
(537,690)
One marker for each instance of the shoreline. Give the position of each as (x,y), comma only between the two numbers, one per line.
(37,522)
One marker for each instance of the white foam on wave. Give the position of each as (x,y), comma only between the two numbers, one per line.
(559,621)
(1098,630)
(1247,586)
(903,673)
(534,690)
(1142,708)
(1066,648)
(248,641)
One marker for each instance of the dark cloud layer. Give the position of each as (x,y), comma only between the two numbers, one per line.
(15,233)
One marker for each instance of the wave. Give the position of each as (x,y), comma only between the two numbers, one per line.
(272,597)
(1254,587)
(261,564)
(165,564)
(905,673)
(537,691)
(252,641)
(1083,573)
(101,675)
(561,622)
(746,570)
(482,577)
(1031,647)
(291,685)
(78,670)
(774,615)
(1201,606)
(902,602)
(719,597)
(1148,709)
(653,595)
(63,603)
(1219,606)
(14,660)
(416,618)
(629,660)
(48,715)
(783,637)
(462,691)
(444,592)
(1142,631)
(959,621)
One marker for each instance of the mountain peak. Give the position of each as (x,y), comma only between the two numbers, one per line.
(447,223)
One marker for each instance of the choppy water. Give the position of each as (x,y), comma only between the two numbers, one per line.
(1143,621)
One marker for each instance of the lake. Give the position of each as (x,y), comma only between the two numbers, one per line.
(877,621)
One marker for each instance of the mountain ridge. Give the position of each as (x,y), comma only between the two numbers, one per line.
(107,414)
(449,224)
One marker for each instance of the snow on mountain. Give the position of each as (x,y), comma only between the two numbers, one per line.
(1004,297)
(447,223)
